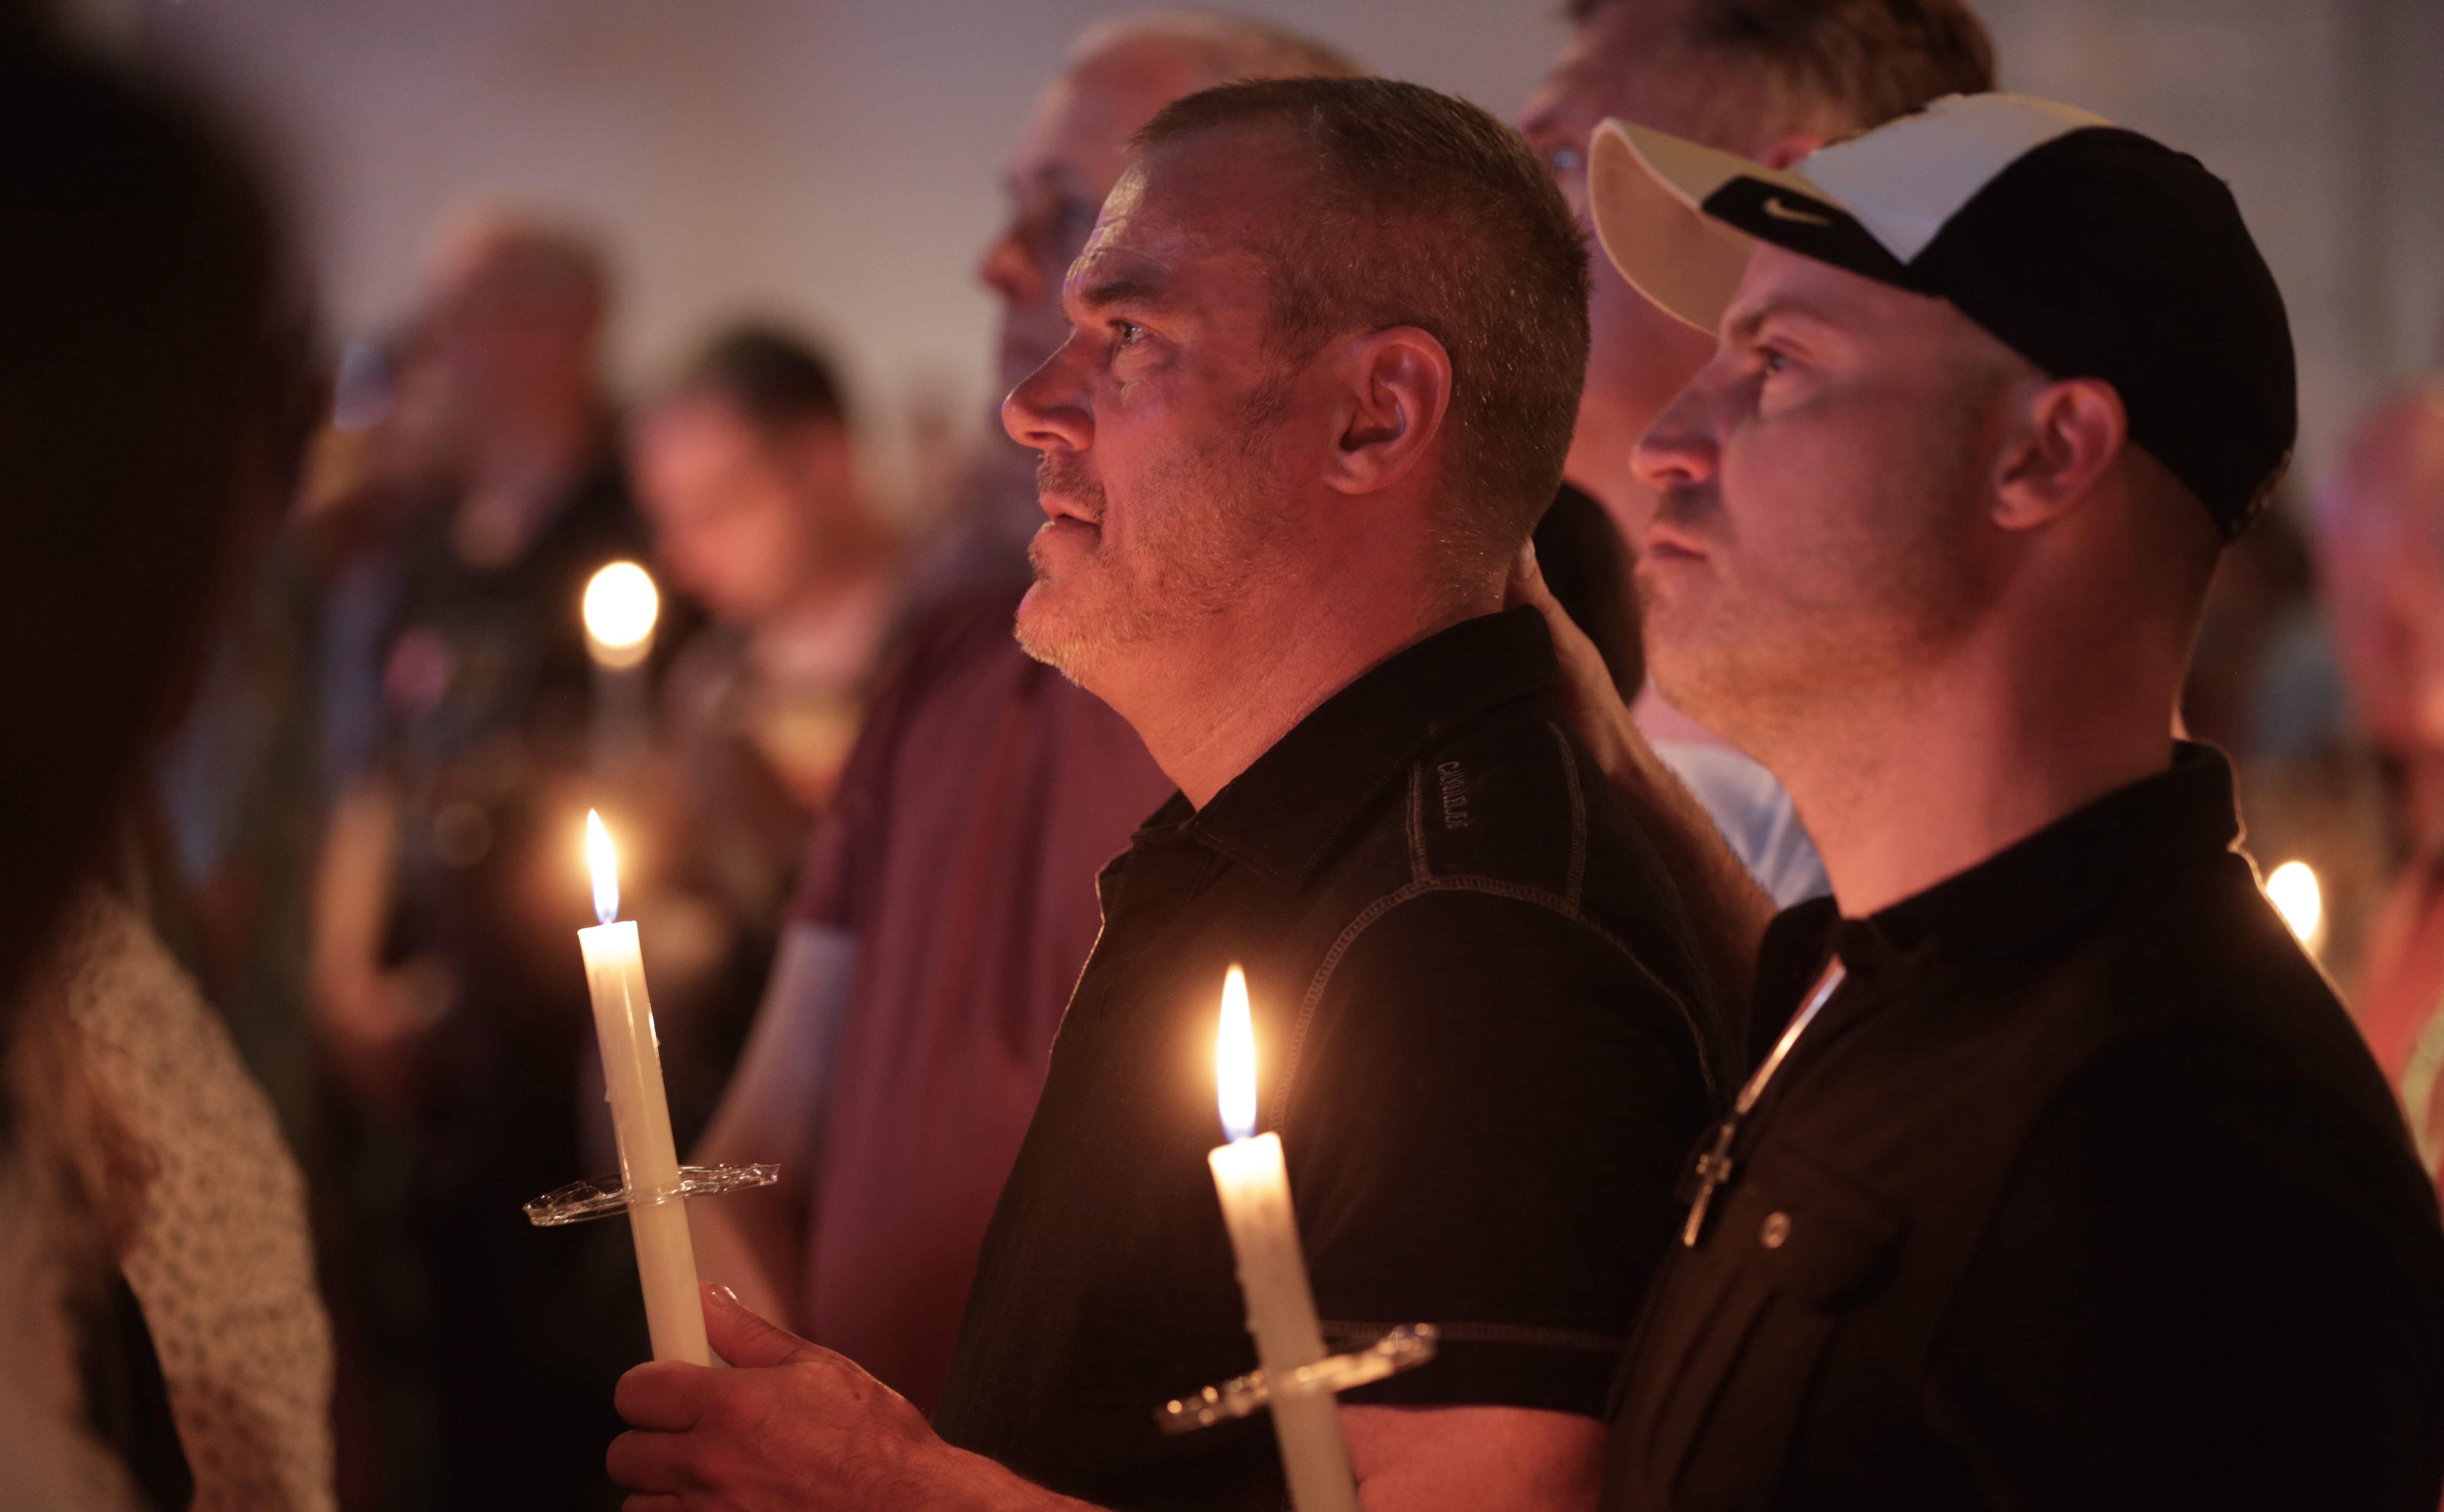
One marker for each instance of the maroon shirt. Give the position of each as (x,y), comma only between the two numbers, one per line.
(984,794)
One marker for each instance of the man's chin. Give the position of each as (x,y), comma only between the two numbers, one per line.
(1687,672)
(1048,634)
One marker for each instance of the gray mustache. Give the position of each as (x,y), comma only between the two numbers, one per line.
(1071,480)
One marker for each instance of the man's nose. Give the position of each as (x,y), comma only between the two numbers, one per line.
(1679,447)
(1047,410)
(1008,270)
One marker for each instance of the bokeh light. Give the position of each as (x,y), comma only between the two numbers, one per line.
(620,607)
(2293,889)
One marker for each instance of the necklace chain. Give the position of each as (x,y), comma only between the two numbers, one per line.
(1714,1166)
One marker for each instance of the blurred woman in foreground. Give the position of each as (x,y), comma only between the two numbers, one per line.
(160,1340)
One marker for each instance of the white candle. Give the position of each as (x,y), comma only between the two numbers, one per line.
(641,1115)
(620,609)
(1255,1190)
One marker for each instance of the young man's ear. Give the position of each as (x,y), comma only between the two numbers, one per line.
(2065,438)
(1396,389)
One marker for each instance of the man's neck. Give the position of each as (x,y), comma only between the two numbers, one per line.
(1957,766)
(1207,711)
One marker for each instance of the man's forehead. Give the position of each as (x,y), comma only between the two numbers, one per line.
(1210,195)
(1612,59)
(1147,260)
(1784,285)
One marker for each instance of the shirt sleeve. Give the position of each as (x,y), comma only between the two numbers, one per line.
(845,854)
(2188,1297)
(1508,1096)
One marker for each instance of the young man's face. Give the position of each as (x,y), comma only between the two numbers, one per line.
(1164,421)
(1821,521)
(737,516)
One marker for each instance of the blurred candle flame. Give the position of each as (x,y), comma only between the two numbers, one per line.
(604,863)
(2293,891)
(621,608)
(1234,1059)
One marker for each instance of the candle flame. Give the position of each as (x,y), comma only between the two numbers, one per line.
(2293,891)
(1234,1059)
(604,863)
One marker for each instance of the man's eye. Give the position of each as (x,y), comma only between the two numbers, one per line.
(1075,216)
(1563,160)
(1772,361)
(1126,333)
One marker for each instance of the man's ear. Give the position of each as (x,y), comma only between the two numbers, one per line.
(1399,387)
(2062,439)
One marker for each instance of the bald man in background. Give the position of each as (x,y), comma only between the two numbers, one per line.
(450,1012)
(1771,79)
(2378,523)
(950,900)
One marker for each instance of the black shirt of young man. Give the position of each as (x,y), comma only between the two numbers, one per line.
(2080,1192)
(1481,1034)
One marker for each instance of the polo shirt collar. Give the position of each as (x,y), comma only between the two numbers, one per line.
(1283,814)
(2029,890)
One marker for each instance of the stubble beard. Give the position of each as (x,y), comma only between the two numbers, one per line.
(1767,671)
(1204,528)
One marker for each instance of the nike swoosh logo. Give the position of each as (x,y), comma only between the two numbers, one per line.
(1775,208)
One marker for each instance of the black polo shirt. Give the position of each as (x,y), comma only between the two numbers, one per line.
(1482,1036)
(2081,1192)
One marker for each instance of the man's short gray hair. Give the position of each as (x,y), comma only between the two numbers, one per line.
(1219,46)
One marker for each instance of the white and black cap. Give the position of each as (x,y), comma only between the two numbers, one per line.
(2091,251)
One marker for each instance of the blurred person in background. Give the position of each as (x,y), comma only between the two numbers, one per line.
(161,1342)
(1771,80)
(448,989)
(949,902)
(746,471)
(2267,689)
(748,476)
(2377,518)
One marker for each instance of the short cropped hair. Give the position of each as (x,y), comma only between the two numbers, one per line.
(1219,46)
(1846,64)
(777,380)
(1427,211)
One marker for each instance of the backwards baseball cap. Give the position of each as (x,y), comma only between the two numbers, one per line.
(2091,251)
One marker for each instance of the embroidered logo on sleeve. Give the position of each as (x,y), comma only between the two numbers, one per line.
(1454,788)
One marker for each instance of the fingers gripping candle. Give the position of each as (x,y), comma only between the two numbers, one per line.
(641,1115)
(1255,1190)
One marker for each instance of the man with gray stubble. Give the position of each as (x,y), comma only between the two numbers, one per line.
(950,900)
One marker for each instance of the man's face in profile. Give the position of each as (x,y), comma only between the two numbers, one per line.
(1619,62)
(1074,150)
(1821,487)
(1164,421)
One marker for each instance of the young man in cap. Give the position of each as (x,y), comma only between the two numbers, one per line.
(1771,79)
(2062,1180)
(1326,351)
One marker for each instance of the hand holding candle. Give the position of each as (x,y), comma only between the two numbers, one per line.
(1253,1182)
(640,1116)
